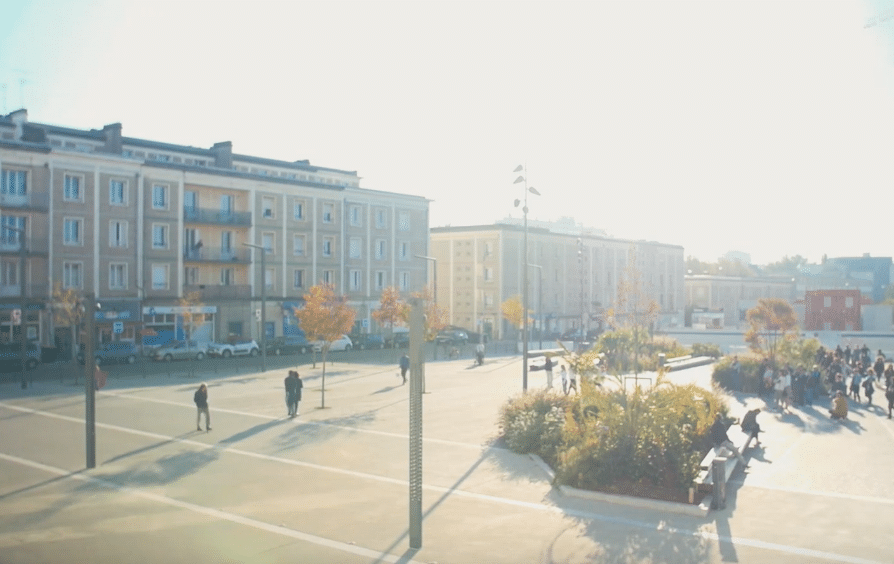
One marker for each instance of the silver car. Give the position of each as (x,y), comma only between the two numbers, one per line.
(180,350)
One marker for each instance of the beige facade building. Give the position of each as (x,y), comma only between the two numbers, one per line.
(144,224)
(573,278)
(724,300)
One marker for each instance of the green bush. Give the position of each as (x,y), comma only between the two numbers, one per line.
(702,349)
(750,374)
(532,423)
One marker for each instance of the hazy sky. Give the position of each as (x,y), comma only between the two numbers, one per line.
(760,127)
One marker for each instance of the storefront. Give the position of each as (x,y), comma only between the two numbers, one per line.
(164,323)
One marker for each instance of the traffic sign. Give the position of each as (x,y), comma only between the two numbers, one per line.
(118,327)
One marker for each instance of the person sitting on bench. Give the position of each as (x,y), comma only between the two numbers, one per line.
(721,439)
(750,426)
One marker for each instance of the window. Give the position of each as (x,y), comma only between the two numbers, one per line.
(404,250)
(226,245)
(268,241)
(298,278)
(190,203)
(380,280)
(71,274)
(298,210)
(159,277)
(227,276)
(354,216)
(117,193)
(159,236)
(328,277)
(403,221)
(488,300)
(404,281)
(327,246)
(73,188)
(381,219)
(159,196)
(354,247)
(118,234)
(13,228)
(356,280)
(12,183)
(226,205)
(9,273)
(71,231)
(380,249)
(488,274)
(117,276)
(269,277)
(267,207)
(848,301)
(327,213)
(827,301)
(191,276)
(298,245)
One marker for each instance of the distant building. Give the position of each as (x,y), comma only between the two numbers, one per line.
(871,275)
(570,283)
(832,310)
(733,295)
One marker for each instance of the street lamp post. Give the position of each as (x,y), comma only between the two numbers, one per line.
(539,298)
(23,311)
(523,178)
(263,303)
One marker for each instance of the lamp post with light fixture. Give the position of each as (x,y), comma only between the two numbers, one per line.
(523,178)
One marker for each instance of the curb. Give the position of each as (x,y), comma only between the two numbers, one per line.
(700,510)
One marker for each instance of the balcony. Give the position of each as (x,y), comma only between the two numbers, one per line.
(219,292)
(217,254)
(33,291)
(30,201)
(12,245)
(217,217)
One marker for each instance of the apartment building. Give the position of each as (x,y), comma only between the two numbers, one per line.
(162,234)
(573,276)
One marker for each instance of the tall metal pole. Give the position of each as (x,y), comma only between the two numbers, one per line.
(417,377)
(263,330)
(23,315)
(434,286)
(539,297)
(524,263)
(89,377)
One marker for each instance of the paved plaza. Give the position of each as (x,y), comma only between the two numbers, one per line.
(332,485)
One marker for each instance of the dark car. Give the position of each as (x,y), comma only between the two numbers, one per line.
(399,341)
(454,337)
(368,341)
(474,336)
(290,344)
(115,351)
(11,356)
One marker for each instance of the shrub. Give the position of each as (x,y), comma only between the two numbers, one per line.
(750,374)
(532,423)
(702,349)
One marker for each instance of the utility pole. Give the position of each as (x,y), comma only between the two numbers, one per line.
(417,379)
(90,377)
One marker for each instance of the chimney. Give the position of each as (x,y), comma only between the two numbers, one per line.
(19,118)
(112,134)
(223,154)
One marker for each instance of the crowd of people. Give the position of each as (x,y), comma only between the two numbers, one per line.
(837,374)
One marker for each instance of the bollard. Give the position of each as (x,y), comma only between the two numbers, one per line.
(718,477)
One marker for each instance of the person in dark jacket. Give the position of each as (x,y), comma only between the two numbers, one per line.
(749,425)
(299,385)
(201,400)
(291,383)
(404,367)
(721,439)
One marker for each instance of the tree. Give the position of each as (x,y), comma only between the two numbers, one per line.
(67,311)
(392,310)
(634,309)
(513,311)
(325,317)
(435,316)
(787,266)
(772,320)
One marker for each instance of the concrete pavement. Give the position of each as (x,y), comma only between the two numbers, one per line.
(331,486)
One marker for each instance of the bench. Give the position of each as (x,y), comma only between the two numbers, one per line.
(741,440)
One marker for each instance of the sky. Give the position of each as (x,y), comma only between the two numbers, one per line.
(760,127)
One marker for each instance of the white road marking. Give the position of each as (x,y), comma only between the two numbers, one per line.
(660,527)
(215,513)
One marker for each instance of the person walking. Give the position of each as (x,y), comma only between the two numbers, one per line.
(721,439)
(768,379)
(404,366)
(291,384)
(869,386)
(548,366)
(299,385)
(856,380)
(572,379)
(750,425)
(812,385)
(889,395)
(201,400)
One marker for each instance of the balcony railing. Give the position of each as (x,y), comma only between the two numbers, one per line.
(217,217)
(31,200)
(217,254)
(218,292)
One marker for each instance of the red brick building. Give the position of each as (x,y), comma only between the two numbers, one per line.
(832,310)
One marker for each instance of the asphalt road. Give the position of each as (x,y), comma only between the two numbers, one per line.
(331,485)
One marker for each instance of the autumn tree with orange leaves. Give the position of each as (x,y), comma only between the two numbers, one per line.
(435,316)
(392,310)
(325,317)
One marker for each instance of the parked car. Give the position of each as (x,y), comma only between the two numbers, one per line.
(180,350)
(290,344)
(368,341)
(343,343)
(115,351)
(453,337)
(399,341)
(474,336)
(236,347)
(11,356)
